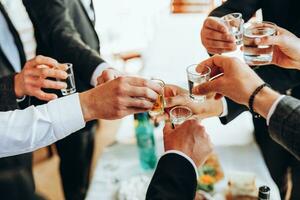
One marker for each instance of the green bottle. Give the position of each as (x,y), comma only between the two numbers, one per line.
(145,141)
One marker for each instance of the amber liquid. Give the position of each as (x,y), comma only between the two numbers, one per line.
(158,107)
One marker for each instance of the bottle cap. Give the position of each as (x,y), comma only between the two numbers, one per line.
(264,192)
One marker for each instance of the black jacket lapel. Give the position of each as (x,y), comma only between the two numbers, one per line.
(15,34)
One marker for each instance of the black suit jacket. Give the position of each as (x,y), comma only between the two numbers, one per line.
(64,31)
(284,14)
(174,178)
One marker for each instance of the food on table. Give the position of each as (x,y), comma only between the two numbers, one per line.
(209,174)
(241,186)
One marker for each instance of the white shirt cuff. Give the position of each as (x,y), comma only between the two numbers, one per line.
(185,156)
(225,107)
(273,108)
(66,114)
(98,71)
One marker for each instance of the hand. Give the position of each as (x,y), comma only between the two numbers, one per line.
(216,37)
(118,98)
(109,74)
(33,78)
(238,81)
(189,138)
(177,96)
(286,48)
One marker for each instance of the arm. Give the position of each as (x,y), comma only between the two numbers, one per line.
(246,7)
(37,127)
(58,31)
(174,178)
(284,125)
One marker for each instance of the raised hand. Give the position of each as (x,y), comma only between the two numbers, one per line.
(33,78)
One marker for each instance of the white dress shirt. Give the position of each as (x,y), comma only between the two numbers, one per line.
(8,45)
(26,130)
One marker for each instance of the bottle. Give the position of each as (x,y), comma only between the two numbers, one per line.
(264,193)
(145,141)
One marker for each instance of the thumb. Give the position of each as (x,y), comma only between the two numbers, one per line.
(208,87)
(168,128)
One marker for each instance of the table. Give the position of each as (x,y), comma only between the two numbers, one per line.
(120,162)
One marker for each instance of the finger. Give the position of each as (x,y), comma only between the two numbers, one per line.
(47,72)
(143,92)
(229,46)
(217,63)
(44,96)
(214,23)
(139,103)
(44,83)
(140,82)
(218,96)
(268,40)
(168,128)
(217,36)
(177,100)
(42,60)
(108,75)
(208,87)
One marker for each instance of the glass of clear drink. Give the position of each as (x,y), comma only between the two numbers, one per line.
(159,106)
(179,115)
(254,54)
(196,78)
(234,23)
(70,80)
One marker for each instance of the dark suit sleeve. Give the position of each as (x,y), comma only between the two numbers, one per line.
(284,125)
(174,178)
(7,93)
(246,7)
(52,19)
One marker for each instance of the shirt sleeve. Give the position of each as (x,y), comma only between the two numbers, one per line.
(273,108)
(26,130)
(97,72)
(186,157)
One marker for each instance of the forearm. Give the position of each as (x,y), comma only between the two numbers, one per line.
(284,125)
(35,127)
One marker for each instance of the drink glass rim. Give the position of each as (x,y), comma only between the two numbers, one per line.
(239,16)
(260,22)
(182,107)
(163,84)
(197,73)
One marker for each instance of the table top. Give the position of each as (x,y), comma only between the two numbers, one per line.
(120,162)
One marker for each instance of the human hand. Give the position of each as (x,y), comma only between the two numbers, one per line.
(119,97)
(177,96)
(189,138)
(286,48)
(109,74)
(236,80)
(33,78)
(216,37)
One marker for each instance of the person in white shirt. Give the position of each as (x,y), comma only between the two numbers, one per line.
(40,126)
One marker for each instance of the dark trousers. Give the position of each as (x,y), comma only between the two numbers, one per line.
(16,178)
(278,160)
(75,154)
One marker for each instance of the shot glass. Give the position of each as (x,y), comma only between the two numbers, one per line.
(234,23)
(159,105)
(196,78)
(254,54)
(179,115)
(70,80)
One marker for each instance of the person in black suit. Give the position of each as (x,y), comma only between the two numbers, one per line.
(216,39)
(187,147)
(64,30)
